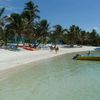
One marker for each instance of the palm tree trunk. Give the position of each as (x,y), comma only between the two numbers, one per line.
(5,39)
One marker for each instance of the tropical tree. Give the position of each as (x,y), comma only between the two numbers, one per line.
(93,37)
(98,40)
(2,23)
(74,34)
(65,37)
(57,34)
(42,30)
(30,13)
(83,37)
(14,25)
(2,17)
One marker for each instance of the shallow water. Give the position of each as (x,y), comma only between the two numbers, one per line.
(59,78)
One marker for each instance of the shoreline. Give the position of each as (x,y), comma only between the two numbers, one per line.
(13,59)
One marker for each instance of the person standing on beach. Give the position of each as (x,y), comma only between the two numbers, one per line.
(88,53)
(56,49)
(51,48)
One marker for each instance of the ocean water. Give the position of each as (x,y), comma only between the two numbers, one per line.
(59,78)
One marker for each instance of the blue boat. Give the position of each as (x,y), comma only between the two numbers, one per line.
(97,49)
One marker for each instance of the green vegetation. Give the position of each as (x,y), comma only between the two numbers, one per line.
(27,27)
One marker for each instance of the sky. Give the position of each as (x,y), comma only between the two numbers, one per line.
(83,13)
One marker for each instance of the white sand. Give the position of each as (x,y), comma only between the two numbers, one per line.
(10,59)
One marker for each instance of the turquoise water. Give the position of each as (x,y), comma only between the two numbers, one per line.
(59,78)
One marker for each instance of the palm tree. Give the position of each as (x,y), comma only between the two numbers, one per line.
(93,37)
(74,34)
(17,25)
(83,37)
(14,25)
(65,37)
(30,13)
(42,30)
(2,25)
(2,17)
(57,34)
(98,40)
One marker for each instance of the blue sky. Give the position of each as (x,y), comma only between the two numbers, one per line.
(84,13)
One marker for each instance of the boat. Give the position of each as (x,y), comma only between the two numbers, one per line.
(97,49)
(28,48)
(90,57)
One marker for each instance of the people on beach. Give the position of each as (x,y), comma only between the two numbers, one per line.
(56,49)
(51,48)
(88,53)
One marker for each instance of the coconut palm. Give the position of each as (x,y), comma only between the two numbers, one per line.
(93,37)
(42,30)
(74,34)
(2,24)
(2,17)
(57,34)
(17,26)
(30,12)
(83,37)
(14,25)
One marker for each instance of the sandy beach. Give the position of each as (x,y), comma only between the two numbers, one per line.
(11,59)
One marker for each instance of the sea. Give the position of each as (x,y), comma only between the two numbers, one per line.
(58,78)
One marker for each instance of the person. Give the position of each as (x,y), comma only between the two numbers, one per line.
(88,53)
(56,49)
(51,48)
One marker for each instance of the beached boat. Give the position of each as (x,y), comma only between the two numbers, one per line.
(28,48)
(91,57)
(97,49)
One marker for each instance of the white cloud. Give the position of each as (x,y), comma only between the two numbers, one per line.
(96,28)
